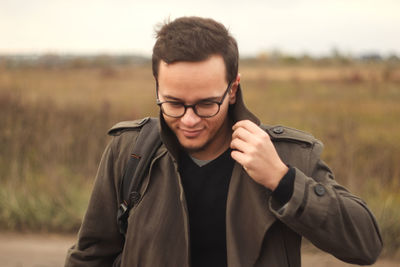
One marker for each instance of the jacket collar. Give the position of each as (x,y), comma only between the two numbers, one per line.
(237,112)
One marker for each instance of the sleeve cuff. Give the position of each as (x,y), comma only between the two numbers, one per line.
(284,191)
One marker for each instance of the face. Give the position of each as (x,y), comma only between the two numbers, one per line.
(190,83)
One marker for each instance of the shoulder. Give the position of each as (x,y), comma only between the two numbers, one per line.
(125,135)
(129,126)
(279,133)
(296,148)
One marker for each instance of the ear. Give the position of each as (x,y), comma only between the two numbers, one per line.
(234,88)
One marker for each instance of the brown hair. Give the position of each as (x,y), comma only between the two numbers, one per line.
(195,39)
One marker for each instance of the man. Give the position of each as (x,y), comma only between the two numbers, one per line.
(222,190)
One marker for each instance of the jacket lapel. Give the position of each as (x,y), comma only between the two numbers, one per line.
(247,218)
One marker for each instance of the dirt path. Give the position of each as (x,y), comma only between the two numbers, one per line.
(33,250)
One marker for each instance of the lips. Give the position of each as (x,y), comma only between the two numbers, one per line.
(191,133)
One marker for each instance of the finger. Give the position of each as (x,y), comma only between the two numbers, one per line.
(241,123)
(248,125)
(256,140)
(256,133)
(242,134)
(240,157)
(240,145)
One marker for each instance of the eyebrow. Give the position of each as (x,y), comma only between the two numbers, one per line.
(172,98)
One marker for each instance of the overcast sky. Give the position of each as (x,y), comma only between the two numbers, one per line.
(127,26)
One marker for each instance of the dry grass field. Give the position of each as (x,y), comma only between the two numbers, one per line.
(53,127)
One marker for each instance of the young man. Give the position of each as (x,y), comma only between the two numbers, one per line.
(222,190)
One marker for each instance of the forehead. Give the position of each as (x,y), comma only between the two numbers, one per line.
(191,81)
(211,70)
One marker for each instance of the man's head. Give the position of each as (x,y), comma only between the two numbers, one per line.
(195,39)
(195,64)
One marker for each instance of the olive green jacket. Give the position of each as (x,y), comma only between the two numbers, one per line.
(259,231)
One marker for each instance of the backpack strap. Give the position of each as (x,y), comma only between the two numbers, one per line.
(145,147)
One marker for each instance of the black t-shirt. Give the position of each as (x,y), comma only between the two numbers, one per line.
(206,191)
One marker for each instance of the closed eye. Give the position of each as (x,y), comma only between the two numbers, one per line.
(174,103)
(206,104)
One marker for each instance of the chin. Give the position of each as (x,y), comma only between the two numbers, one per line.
(191,145)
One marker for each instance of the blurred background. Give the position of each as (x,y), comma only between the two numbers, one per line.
(69,70)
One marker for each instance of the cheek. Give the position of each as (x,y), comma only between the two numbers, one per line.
(219,119)
(169,121)
(223,112)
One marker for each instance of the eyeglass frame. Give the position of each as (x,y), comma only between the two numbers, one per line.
(193,107)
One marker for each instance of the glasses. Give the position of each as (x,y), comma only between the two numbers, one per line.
(203,109)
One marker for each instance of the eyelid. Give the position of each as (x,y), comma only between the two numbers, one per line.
(175,102)
(207,101)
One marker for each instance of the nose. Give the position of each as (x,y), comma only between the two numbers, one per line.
(190,119)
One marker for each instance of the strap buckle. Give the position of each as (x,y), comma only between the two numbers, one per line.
(122,217)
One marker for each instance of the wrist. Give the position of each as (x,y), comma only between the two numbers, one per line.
(284,191)
(275,179)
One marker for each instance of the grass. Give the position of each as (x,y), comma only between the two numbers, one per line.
(48,157)
(53,124)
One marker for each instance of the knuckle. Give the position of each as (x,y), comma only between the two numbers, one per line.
(265,135)
(252,151)
(233,143)
(259,142)
(238,131)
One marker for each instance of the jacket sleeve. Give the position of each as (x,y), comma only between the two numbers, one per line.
(99,241)
(328,215)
